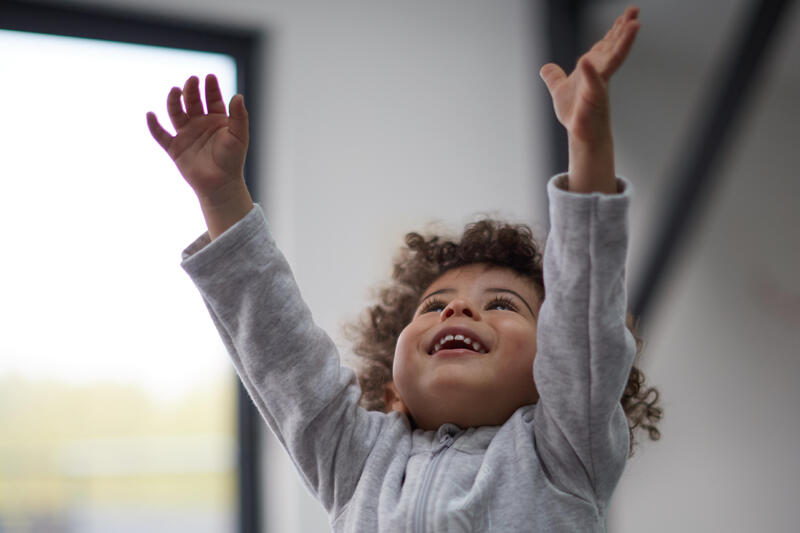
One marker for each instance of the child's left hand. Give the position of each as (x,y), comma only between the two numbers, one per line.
(581,104)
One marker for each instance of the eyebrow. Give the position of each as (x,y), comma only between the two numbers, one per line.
(491,289)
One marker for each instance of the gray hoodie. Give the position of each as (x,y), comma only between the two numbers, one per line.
(552,466)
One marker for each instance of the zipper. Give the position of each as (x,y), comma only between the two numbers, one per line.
(422,498)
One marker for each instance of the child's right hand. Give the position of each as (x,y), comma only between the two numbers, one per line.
(209,149)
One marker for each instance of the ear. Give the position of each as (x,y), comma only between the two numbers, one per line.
(392,399)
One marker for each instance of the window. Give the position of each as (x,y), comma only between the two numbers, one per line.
(117,401)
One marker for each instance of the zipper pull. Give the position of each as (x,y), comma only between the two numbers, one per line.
(445,442)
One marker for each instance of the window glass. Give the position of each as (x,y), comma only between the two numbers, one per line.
(117,402)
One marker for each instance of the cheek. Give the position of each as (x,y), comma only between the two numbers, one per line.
(519,365)
(527,360)
(402,353)
(528,342)
(403,368)
(523,341)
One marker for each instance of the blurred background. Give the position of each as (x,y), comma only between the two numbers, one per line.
(118,408)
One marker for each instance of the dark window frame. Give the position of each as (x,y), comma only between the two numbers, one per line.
(247,47)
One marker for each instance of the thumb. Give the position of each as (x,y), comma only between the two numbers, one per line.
(551,74)
(238,122)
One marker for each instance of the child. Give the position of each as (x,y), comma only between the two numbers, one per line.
(466,438)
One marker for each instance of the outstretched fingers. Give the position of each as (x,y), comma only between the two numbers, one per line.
(214,95)
(162,136)
(238,122)
(175,109)
(191,97)
(621,48)
(610,52)
(612,32)
(630,13)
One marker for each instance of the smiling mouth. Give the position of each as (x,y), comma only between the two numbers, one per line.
(458,342)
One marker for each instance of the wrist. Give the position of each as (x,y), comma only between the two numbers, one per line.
(225,206)
(217,198)
(591,165)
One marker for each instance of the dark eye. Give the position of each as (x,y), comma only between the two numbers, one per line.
(501,303)
(434,304)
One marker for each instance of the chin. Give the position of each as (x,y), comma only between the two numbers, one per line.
(462,420)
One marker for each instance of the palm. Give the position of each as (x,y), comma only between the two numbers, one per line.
(208,148)
(580,100)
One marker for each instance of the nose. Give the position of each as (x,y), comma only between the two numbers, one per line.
(458,307)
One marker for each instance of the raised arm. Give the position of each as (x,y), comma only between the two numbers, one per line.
(585,350)
(581,104)
(209,149)
(289,366)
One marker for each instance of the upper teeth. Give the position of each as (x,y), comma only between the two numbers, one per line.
(458,337)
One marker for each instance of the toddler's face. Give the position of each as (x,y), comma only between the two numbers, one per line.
(467,355)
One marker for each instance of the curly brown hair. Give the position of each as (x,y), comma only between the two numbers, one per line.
(420,263)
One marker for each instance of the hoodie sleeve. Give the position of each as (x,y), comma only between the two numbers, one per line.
(289,366)
(585,350)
